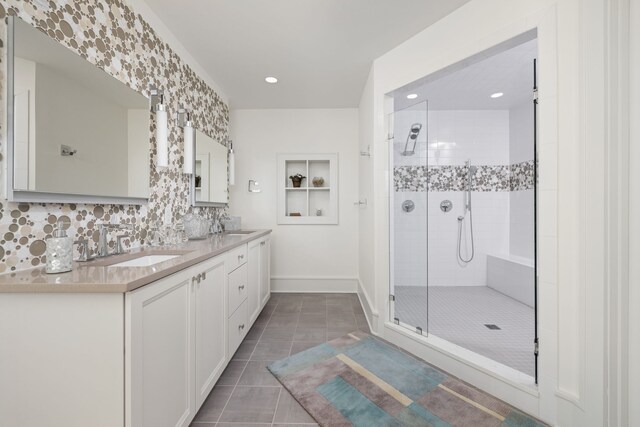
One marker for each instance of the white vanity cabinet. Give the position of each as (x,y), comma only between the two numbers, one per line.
(253,297)
(239,289)
(175,331)
(265,270)
(159,355)
(143,358)
(259,276)
(182,331)
(210,348)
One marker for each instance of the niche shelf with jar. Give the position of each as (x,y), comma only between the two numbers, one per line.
(307,189)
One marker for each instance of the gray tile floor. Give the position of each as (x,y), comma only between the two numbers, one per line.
(458,314)
(247,394)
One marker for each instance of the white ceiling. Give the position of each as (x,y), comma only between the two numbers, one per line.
(468,87)
(320,50)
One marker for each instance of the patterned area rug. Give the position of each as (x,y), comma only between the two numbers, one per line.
(359,380)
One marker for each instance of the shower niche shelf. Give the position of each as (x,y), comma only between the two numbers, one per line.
(300,205)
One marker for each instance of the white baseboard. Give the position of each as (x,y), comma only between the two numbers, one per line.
(369,310)
(315,284)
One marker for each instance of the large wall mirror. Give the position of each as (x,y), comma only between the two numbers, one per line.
(76,134)
(210,172)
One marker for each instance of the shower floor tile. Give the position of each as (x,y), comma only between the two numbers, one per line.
(459,314)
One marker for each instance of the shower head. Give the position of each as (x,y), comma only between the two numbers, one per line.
(413,136)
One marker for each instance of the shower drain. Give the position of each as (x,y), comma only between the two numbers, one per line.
(492,326)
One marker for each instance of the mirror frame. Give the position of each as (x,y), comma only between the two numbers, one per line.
(192,179)
(40,196)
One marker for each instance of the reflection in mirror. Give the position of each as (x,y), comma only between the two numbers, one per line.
(210,171)
(77,130)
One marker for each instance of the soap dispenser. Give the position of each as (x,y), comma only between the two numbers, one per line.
(59,250)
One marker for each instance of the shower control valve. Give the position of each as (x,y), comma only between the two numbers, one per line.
(446,206)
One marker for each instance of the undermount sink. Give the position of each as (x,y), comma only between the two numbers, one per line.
(238,232)
(145,261)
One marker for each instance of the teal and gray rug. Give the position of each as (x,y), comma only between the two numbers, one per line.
(360,380)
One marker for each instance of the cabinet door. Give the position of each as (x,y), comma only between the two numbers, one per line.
(254,265)
(159,368)
(265,270)
(210,327)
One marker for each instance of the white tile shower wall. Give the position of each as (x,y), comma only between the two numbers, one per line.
(490,230)
(521,149)
(481,136)
(521,232)
(454,137)
(410,240)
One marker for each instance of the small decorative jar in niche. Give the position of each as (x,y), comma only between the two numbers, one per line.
(318,181)
(318,212)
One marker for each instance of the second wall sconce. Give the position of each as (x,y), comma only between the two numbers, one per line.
(232,164)
(184,121)
(158,107)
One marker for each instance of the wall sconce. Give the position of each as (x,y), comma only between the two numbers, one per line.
(158,107)
(184,121)
(232,164)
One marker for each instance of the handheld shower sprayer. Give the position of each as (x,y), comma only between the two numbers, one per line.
(471,171)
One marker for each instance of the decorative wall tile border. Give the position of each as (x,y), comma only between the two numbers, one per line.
(522,176)
(454,178)
(112,36)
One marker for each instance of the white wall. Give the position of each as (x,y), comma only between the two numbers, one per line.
(633,385)
(304,257)
(366,221)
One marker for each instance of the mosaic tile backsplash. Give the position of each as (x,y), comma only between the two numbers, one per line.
(519,176)
(109,34)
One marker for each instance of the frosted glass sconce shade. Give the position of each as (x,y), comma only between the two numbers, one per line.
(161,136)
(232,165)
(156,98)
(188,148)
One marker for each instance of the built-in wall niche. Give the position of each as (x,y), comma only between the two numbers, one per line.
(314,200)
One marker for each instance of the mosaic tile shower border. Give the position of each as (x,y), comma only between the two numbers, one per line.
(109,34)
(514,177)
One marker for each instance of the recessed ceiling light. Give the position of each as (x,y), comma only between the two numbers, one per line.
(271,79)
(412,96)
(497,95)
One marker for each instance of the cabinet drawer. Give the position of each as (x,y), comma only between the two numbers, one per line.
(236,258)
(238,327)
(238,288)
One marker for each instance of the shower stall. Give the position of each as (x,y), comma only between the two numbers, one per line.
(462,214)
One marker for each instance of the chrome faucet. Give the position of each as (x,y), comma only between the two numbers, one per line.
(217,228)
(103,243)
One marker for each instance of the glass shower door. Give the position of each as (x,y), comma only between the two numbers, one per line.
(409,297)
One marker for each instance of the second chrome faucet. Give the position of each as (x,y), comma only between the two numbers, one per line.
(103,241)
